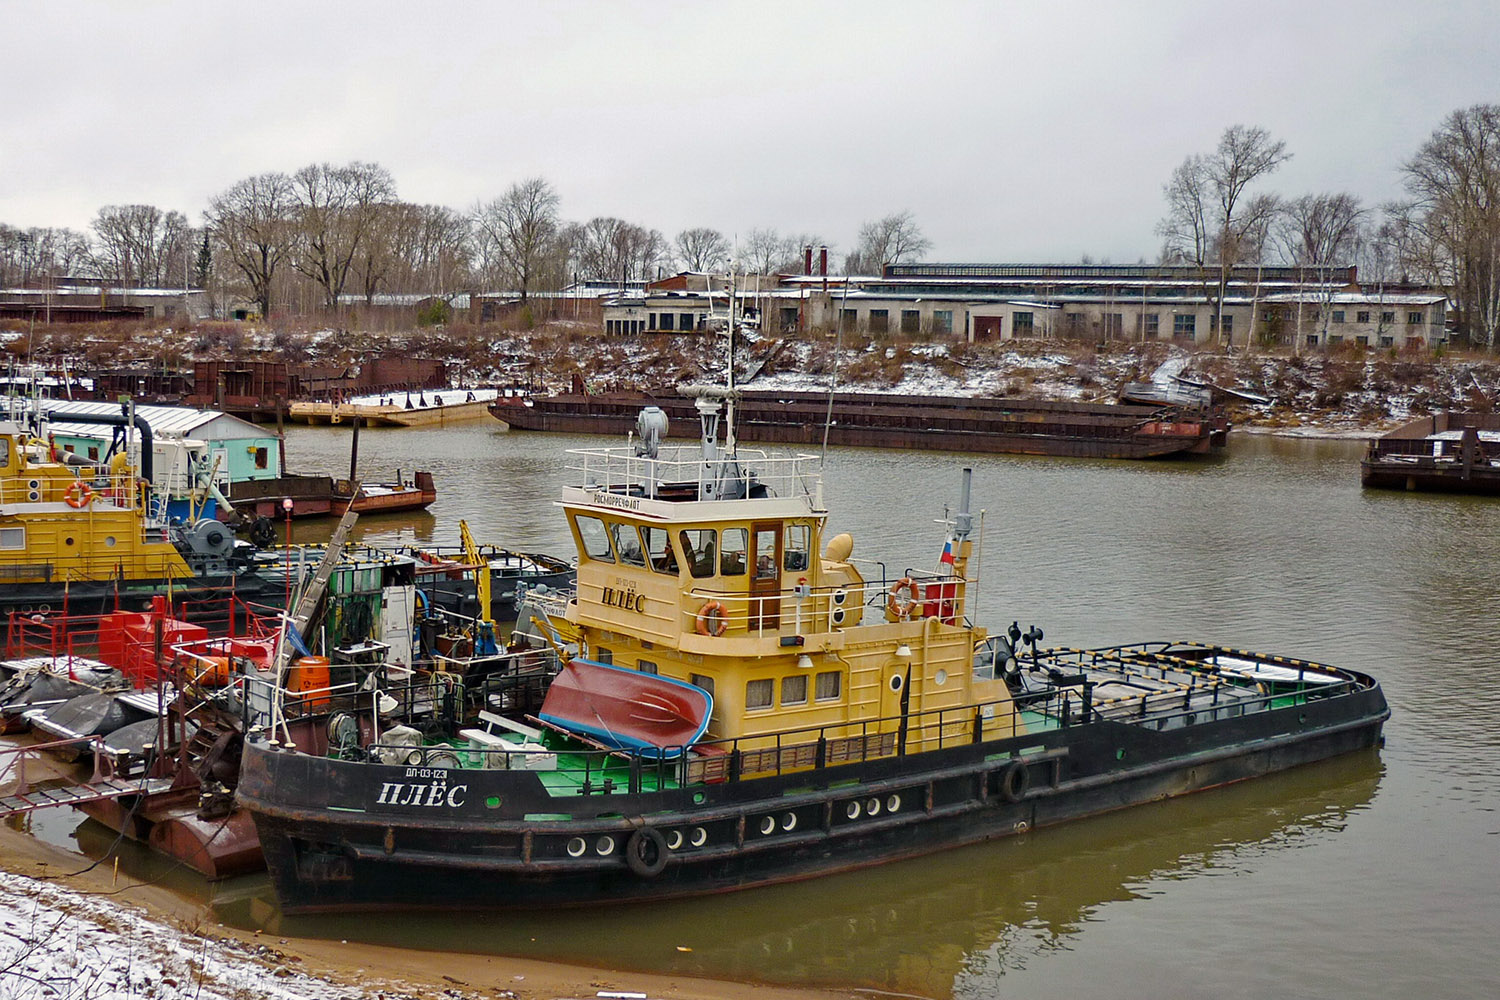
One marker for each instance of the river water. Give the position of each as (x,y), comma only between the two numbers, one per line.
(1376,874)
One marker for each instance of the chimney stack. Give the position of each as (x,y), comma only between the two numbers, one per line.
(807,259)
(823,261)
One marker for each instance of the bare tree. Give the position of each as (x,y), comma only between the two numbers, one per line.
(1319,232)
(1454,180)
(139,245)
(701,249)
(1211,221)
(337,206)
(516,230)
(40,252)
(252,222)
(890,240)
(614,249)
(760,251)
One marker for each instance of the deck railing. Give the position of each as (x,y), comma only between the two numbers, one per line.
(622,471)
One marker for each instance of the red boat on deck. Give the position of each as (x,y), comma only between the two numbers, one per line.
(652,716)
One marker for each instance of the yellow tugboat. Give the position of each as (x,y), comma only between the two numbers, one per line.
(736,702)
(79,538)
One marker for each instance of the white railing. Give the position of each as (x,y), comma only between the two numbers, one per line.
(621,469)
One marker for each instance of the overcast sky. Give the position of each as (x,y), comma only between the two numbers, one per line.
(1035,131)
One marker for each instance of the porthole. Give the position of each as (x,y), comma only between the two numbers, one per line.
(576,847)
(699,837)
(109,541)
(604,845)
(789,822)
(893,804)
(940,678)
(68,541)
(768,825)
(895,682)
(852,810)
(873,807)
(674,840)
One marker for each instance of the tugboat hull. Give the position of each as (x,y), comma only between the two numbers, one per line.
(480,839)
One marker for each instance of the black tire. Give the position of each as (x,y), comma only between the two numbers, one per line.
(646,852)
(1015,781)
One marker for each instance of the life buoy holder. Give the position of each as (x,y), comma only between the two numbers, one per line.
(711,619)
(78,494)
(1015,781)
(901,601)
(646,852)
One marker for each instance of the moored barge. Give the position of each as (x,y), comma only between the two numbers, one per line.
(850,720)
(888,420)
(1451,452)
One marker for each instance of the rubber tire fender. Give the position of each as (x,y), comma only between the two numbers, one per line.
(646,852)
(1015,781)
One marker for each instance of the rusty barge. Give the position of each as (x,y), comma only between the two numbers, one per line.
(884,420)
(1453,452)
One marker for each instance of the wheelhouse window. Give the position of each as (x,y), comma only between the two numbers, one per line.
(628,545)
(703,681)
(735,543)
(794,690)
(645,666)
(797,546)
(698,548)
(595,539)
(659,550)
(758,693)
(829,686)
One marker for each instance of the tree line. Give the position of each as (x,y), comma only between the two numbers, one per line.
(328,232)
(1444,233)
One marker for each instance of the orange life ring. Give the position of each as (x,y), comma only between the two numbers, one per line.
(901,601)
(78,494)
(711,619)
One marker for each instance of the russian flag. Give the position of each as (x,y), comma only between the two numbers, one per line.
(947,557)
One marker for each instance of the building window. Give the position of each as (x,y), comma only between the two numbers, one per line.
(1153,324)
(262,458)
(646,667)
(651,322)
(942,321)
(1184,325)
(794,690)
(1114,324)
(788,319)
(1362,341)
(93,453)
(1312,340)
(1414,318)
(1363,316)
(1387,341)
(1335,338)
(848,317)
(703,681)
(1388,317)
(1074,322)
(829,687)
(758,694)
(880,320)
(1338,315)
(911,321)
(1021,324)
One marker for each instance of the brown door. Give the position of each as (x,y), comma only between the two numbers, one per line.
(765,576)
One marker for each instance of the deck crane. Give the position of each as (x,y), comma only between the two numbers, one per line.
(484,630)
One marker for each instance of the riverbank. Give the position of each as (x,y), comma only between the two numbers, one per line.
(1344,389)
(70,929)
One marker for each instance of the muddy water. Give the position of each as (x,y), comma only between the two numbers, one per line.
(1377,874)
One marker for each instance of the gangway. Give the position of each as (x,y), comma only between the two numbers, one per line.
(25,798)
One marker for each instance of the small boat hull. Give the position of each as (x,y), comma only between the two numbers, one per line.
(655,717)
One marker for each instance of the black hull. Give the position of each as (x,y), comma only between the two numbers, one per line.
(330,846)
(202,600)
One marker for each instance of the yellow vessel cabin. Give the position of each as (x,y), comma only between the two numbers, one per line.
(64,519)
(713,566)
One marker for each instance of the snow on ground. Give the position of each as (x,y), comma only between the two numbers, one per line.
(60,944)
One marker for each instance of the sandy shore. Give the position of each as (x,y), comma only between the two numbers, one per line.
(308,967)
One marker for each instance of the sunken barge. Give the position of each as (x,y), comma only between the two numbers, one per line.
(883,420)
(1453,452)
